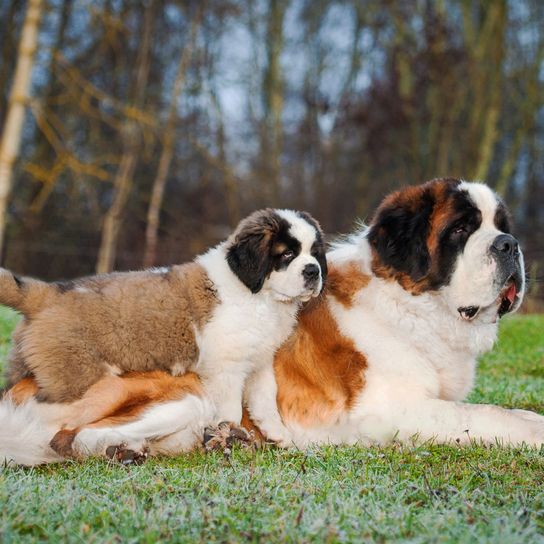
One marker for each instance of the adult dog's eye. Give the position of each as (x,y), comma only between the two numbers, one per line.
(459,230)
(287,255)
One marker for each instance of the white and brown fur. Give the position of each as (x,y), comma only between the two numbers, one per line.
(387,353)
(222,316)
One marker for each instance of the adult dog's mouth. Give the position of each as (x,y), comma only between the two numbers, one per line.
(508,295)
(505,302)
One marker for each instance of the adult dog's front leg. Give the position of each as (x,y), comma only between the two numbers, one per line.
(457,422)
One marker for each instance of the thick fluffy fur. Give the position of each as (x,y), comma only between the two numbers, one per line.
(223,316)
(389,351)
(81,331)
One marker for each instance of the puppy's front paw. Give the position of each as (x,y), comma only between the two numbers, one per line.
(224,435)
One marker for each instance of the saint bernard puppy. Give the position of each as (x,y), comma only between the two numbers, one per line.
(222,316)
(387,352)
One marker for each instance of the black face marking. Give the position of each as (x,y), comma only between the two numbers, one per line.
(466,219)
(502,219)
(285,248)
(18,281)
(407,226)
(318,249)
(399,235)
(261,246)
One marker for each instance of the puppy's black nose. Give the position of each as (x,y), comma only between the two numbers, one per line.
(505,245)
(310,272)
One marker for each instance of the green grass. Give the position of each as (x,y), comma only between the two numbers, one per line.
(331,494)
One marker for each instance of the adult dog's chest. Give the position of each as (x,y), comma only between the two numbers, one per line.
(423,352)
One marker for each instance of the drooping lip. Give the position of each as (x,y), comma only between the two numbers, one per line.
(508,295)
(505,302)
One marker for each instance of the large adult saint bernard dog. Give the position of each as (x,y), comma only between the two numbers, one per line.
(388,352)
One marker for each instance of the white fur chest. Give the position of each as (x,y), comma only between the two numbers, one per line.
(411,343)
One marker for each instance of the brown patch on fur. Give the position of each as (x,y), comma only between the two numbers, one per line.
(345,281)
(62,442)
(388,273)
(319,371)
(120,322)
(22,390)
(116,400)
(443,211)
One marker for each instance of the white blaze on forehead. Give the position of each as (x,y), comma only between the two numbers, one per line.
(484,198)
(300,229)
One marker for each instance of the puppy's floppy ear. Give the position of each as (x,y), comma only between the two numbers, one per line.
(320,246)
(399,232)
(249,254)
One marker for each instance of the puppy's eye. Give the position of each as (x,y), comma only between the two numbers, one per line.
(287,255)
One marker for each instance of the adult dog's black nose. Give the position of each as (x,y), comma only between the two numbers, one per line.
(505,245)
(310,272)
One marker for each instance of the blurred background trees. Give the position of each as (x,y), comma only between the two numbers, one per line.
(153,127)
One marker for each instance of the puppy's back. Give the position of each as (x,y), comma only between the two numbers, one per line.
(86,328)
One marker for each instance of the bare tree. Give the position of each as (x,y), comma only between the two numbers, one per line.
(273,98)
(131,141)
(159,183)
(11,136)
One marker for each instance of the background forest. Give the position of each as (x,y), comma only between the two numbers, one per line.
(152,127)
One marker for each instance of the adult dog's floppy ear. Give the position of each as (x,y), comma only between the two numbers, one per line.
(398,234)
(248,256)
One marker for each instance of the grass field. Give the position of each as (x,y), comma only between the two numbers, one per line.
(332,494)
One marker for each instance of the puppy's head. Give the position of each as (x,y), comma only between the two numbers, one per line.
(452,237)
(280,251)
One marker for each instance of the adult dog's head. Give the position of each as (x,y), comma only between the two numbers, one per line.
(452,237)
(279,251)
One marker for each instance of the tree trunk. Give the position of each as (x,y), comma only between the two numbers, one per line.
(157,193)
(272,137)
(122,184)
(11,137)
(8,30)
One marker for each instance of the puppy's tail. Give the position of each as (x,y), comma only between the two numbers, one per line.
(25,295)
(24,435)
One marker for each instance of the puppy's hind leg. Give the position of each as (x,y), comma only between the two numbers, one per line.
(60,357)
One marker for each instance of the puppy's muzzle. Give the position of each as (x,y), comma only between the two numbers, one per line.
(311,274)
